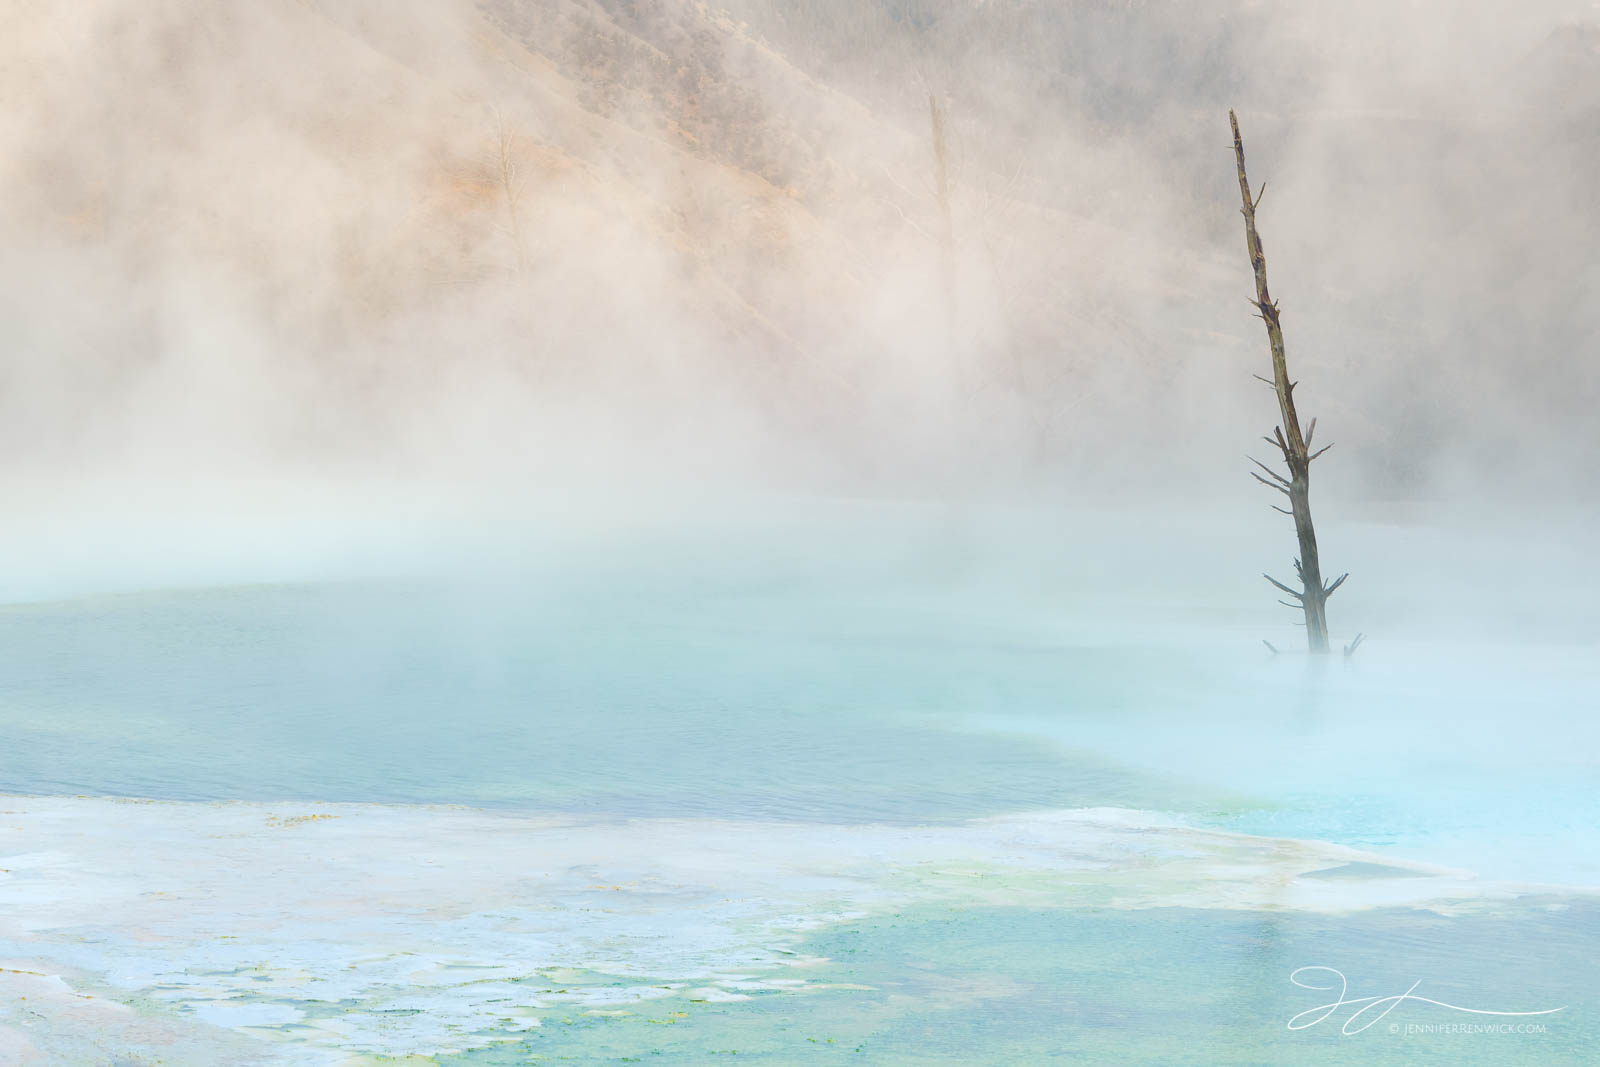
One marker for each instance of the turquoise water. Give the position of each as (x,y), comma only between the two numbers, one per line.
(412,695)
(1166,985)
(795,702)
(841,695)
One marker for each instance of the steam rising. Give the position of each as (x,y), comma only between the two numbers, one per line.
(438,257)
(788,454)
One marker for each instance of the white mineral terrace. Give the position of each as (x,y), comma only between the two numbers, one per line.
(294,933)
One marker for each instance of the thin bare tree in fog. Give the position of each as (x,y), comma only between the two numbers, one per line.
(941,193)
(511,182)
(493,178)
(1313,596)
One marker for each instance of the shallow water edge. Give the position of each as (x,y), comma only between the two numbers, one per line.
(293,933)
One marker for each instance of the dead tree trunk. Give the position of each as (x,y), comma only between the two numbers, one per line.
(1313,596)
(947,230)
(941,192)
(510,187)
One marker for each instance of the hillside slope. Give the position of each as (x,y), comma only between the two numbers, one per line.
(623,228)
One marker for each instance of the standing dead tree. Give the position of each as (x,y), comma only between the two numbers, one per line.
(511,183)
(941,178)
(1312,598)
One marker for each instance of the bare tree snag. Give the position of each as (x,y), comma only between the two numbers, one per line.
(1312,598)
(941,192)
(511,183)
(947,239)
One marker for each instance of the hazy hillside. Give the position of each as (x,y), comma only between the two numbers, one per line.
(578,235)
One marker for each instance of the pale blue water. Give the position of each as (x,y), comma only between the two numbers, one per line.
(1162,986)
(793,702)
(832,695)
(569,701)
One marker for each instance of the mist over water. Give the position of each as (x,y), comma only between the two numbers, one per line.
(836,662)
(778,472)
(523,243)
